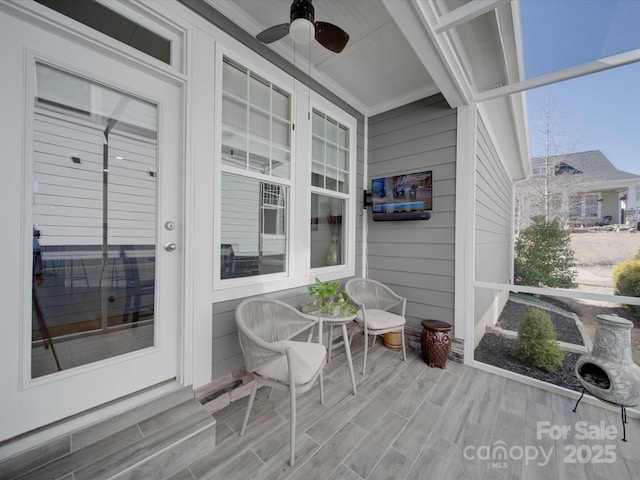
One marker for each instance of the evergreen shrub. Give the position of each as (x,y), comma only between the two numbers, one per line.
(626,280)
(543,255)
(536,344)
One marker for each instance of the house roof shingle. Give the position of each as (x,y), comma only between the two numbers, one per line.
(593,166)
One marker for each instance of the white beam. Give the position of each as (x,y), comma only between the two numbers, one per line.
(607,63)
(416,28)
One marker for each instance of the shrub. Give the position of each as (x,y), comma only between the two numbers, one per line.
(626,280)
(543,255)
(536,344)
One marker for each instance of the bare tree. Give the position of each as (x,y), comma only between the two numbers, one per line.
(552,189)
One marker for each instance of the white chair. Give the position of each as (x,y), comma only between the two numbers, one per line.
(373,300)
(267,328)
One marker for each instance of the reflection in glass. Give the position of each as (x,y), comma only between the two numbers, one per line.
(94,222)
(253,227)
(329,154)
(327,232)
(255,123)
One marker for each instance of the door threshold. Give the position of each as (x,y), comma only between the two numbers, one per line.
(34,438)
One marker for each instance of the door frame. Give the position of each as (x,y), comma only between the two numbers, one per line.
(182,361)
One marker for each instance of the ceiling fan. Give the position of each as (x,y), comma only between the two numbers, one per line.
(303,29)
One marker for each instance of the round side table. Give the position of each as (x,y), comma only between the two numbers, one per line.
(435,343)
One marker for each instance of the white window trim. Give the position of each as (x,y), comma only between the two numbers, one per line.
(156,19)
(298,273)
(348,267)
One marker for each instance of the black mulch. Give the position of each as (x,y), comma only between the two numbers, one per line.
(498,351)
(566,329)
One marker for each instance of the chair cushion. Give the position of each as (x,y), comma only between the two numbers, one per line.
(307,357)
(380,319)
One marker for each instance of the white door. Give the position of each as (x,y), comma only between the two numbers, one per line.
(92,257)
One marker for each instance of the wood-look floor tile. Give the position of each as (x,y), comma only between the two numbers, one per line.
(417,433)
(331,454)
(433,461)
(366,455)
(393,464)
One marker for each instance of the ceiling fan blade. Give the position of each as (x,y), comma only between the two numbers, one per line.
(273,33)
(331,36)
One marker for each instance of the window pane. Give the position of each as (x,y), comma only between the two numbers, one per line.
(343,159)
(280,106)
(318,124)
(111,23)
(591,206)
(234,79)
(332,131)
(280,134)
(343,182)
(331,179)
(234,133)
(343,139)
(259,125)
(330,146)
(235,115)
(317,174)
(317,149)
(260,93)
(327,232)
(263,119)
(259,158)
(253,227)
(281,163)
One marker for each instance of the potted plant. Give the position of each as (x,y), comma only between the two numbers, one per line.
(328,297)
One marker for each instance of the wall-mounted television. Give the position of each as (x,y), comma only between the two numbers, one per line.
(402,197)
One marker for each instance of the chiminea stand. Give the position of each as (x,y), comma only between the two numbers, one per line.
(623,414)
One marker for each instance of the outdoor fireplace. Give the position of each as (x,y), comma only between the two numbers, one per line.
(608,371)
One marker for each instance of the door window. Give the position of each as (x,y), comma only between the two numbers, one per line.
(95,173)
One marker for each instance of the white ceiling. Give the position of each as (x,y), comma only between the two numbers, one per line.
(378,69)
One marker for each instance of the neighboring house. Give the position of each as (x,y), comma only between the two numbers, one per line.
(582,189)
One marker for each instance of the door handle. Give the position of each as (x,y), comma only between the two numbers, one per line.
(170,246)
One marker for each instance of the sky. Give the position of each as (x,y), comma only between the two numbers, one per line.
(600,111)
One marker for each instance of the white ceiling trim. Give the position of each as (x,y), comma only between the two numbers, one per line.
(415,25)
(403,100)
(465,13)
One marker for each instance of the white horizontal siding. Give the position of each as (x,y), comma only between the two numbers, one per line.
(68,196)
(240,214)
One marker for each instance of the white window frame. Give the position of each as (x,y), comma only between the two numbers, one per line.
(348,254)
(297,273)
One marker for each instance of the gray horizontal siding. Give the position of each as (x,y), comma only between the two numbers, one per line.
(416,258)
(493,230)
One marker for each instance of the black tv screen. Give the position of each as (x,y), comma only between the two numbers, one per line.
(411,192)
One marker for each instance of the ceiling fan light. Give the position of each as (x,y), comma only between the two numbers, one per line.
(302,31)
